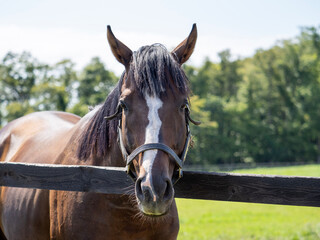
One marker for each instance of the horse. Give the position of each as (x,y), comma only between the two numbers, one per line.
(142,125)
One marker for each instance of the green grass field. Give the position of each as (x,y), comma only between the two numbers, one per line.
(230,220)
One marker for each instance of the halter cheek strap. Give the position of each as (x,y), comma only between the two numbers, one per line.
(152,146)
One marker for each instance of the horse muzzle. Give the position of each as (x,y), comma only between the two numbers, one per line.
(154,194)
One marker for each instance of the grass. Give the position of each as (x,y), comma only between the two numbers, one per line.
(304,170)
(230,220)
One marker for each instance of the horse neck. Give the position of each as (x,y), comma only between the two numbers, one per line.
(70,153)
(113,157)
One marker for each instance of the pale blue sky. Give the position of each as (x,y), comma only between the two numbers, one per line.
(52,30)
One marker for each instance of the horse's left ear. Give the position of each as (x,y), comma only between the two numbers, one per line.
(185,49)
(122,53)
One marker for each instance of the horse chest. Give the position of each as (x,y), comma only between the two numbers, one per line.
(81,215)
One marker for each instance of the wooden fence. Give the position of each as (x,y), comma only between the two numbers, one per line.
(300,191)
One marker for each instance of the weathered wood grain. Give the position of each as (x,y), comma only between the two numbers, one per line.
(65,177)
(301,191)
(285,190)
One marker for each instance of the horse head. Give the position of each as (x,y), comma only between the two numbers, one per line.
(153,113)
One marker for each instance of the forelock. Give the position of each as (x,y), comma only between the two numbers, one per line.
(151,67)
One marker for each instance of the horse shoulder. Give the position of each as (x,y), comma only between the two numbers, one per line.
(35,138)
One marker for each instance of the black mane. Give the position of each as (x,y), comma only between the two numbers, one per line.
(151,68)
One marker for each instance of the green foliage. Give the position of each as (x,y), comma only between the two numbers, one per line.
(266,108)
(18,77)
(95,83)
(54,88)
(18,109)
(27,86)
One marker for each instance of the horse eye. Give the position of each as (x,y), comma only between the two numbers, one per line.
(184,105)
(123,105)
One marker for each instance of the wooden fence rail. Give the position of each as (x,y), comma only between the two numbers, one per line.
(300,191)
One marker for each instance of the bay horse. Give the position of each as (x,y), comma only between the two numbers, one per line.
(148,113)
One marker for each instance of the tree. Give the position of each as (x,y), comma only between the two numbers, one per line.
(55,87)
(18,77)
(95,83)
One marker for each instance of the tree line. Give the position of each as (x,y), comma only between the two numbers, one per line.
(264,108)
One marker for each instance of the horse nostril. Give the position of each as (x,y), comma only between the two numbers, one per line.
(139,193)
(147,193)
(169,190)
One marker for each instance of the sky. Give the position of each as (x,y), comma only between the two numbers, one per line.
(76,29)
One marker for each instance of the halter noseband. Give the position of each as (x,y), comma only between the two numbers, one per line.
(152,146)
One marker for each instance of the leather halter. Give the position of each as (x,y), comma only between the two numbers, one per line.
(152,146)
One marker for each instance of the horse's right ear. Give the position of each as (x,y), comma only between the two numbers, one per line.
(122,53)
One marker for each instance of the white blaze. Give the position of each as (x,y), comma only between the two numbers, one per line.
(152,133)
